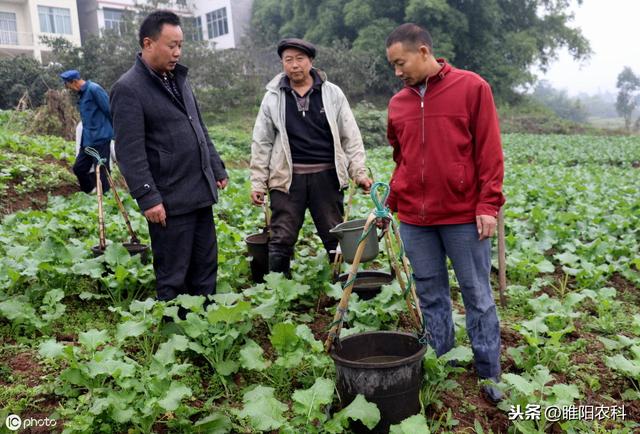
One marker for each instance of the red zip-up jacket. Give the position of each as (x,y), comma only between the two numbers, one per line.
(446,145)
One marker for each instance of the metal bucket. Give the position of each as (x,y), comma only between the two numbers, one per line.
(385,367)
(258,248)
(349,233)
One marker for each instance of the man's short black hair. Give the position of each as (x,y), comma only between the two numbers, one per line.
(152,24)
(411,35)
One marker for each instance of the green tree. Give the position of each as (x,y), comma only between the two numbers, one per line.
(628,85)
(498,39)
(20,75)
(562,104)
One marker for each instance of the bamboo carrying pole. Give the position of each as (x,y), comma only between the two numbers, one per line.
(411,297)
(408,288)
(344,301)
(98,167)
(103,241)
(134,238)
(415,318)
(502,259)
(267,216)
(412,287)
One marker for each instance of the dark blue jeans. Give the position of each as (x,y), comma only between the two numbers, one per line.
(427,248)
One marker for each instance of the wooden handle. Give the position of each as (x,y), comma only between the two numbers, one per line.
(123,211)
(101,230)
(346,294)
(502,259)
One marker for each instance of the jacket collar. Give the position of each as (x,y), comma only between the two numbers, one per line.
(445,68)
(84,86)
(180,71)
(275,84)
(285,83)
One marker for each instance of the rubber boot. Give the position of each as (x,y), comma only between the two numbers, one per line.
(280,264)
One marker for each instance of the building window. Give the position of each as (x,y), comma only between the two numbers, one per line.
(55,20)
(192,28)
(217,23)
(114,20)
(8,29)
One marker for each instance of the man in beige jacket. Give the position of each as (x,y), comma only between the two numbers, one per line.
(306,146)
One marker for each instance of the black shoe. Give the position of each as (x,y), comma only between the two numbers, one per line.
(491,391)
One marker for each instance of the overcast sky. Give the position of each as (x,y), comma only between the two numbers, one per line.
(613,29)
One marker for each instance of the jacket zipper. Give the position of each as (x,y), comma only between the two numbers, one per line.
(422,95)
(424,145)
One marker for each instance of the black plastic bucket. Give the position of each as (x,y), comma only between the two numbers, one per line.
(258,248)
(132,248)
(385,367)
(368,283)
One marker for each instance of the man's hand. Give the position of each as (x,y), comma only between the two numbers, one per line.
(157,214)
(257,197)
(486,226)
(365,184)
(222,183)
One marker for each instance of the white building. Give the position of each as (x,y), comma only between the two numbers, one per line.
(24,22)
(223,22)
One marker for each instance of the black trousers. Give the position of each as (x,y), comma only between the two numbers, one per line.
(185,254)
(320,193)
(84,163)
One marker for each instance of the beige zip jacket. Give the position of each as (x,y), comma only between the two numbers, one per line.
(271,164)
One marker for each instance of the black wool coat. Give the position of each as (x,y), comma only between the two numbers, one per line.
(162,145)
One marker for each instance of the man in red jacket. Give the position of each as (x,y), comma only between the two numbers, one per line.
(447,191)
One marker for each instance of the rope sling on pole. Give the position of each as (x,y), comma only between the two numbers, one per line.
(380,212)
(99,163)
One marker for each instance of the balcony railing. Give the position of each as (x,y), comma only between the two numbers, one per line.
(16,39)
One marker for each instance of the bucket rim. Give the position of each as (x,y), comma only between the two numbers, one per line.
(265,234)
(137,247)
(368,273)
(339,227)
(368,365)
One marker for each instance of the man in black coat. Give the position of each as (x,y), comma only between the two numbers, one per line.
(168,160)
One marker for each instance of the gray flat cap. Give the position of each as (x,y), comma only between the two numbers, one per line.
(306,47)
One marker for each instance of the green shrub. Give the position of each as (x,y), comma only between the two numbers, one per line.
(372,123)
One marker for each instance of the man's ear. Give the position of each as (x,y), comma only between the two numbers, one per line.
(146,42)
(424,51)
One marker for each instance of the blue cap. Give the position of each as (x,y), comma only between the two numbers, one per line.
(70,75)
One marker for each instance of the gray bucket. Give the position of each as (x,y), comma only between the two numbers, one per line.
(349,233)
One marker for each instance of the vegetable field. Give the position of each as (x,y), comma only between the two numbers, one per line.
(83,343)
